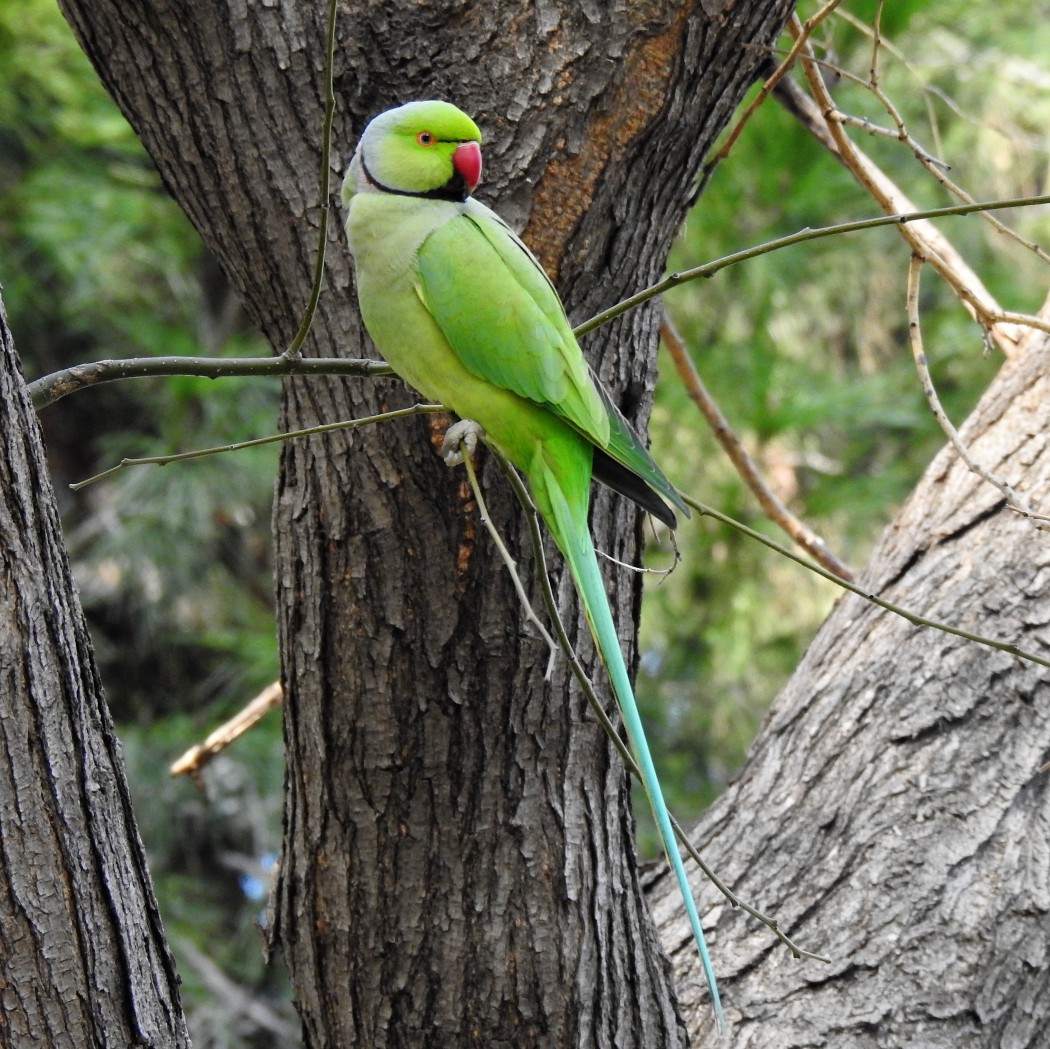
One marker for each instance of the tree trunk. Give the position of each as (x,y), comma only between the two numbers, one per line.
(892,813)
(459,865)
(83,962)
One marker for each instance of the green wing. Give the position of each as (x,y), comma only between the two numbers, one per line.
(626,448)
(499,313)
(507,325)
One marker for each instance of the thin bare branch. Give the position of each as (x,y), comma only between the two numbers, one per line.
(199,453)
(193,761)
(662,573)
(912,617)
(745,466)
(1014,501)
(766,90)
(933,165)
(51,388)
(606,722)
(902,219)
(878,131)
(509,563)
(876,44)
(924,239)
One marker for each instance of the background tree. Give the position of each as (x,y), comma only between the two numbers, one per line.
(83,960)
(843,439)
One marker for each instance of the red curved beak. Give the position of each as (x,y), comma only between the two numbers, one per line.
(467,162)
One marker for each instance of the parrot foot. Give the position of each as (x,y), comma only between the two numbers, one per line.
(460,438)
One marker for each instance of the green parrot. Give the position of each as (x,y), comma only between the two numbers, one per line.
(463,312)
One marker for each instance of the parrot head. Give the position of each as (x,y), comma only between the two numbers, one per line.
(421,149)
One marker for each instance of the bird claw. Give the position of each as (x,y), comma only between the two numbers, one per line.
(461,437)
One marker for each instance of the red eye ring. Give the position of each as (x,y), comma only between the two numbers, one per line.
(425,138)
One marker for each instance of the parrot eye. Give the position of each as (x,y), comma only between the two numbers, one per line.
(425,138)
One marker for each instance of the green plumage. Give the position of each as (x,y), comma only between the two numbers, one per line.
(509,305)
(463,312)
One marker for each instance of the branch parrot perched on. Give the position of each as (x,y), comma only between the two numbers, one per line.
(463,312)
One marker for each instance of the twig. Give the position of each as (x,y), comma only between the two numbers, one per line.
(766,90)
(902,219)
(876,44)
(1028,513)
(771,923)
(193,761)
(51,388)
(640,569)
(912,617)
(236,1002)
(934,166)
(1013,500)
(199,453)
(745,466)
(927,241)
(931,91)
(878,131)
(508,561)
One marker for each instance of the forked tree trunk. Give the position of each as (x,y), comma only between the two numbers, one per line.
(459,865)
(893,814)
(83,962)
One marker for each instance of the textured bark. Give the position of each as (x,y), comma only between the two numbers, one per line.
(892,813)
(458,863)
(82,956)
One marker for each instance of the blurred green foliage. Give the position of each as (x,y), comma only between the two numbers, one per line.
(805,350)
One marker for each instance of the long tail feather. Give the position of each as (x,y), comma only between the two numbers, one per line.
(574,539)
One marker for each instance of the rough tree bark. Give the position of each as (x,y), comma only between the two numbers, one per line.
(458,863)
(83,961)
(892,813)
